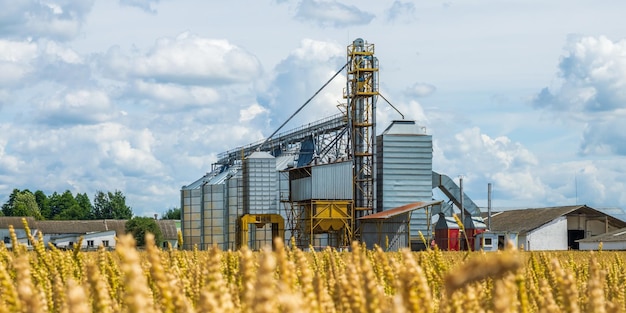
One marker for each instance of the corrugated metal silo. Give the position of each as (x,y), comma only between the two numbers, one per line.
(235,209)
(260,194)
(191,204)
(259,184)
(214,215)
(404,171)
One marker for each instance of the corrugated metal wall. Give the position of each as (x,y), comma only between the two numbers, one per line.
(259,184)
(235,209)
(327,182)
(404,171)
(191,210)
(214,214)
(332,181)
(302,189)
(391,234)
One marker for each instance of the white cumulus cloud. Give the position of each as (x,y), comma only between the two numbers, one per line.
(401,12)
(76,107)
(484,159)
(420,90)
(251,112)
(170,95)
(332,13)
(54,19)
(591,93)
(188,59)
(299,76)
(145,5)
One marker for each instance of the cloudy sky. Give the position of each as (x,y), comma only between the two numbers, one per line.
(141,95)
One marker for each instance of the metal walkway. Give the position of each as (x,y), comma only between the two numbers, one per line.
(327,125)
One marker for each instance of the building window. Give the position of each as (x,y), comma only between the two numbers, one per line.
(487,242)
(105,243)
(7,240)
(165,244)
(90,243)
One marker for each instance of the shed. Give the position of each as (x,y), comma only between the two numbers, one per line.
(494,241)
(390,229)
(614,240)
(448,235)
(554,228)
(169,230)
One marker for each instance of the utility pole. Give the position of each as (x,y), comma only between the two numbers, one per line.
(462,212)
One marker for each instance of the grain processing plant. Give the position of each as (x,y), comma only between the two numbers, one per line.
(330,182)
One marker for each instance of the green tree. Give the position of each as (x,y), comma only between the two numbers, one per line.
(54,206)
(7,207)
(79,209)
(85,205)
(101,207)
(111,205)
(64,206)
(171,214)
(139,226)
(22,203)
(42,201)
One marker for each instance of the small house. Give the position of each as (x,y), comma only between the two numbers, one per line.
(494,241)
(18,228)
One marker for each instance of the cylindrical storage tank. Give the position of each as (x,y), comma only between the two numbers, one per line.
(191,211)
(234,209)
(259,184)
(404,172)
(215,216)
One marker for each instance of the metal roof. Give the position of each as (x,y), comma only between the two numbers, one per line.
(525,220)
(16,221)
(399,210)
(220,175)
(80,226)
(168,229)
(404,127)
(616,235)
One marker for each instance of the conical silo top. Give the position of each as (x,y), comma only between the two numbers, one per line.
(260,155)
(404,127)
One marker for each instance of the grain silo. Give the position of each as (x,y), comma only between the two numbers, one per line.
(318,183)
(404,173)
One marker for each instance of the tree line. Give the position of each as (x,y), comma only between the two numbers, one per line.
(66,206)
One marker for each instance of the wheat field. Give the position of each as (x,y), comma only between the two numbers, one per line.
(292,280)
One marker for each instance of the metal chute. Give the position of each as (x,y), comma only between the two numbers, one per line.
(453,192)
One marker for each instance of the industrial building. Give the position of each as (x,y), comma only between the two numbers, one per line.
(556,228)
(327,183)
(614,240)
